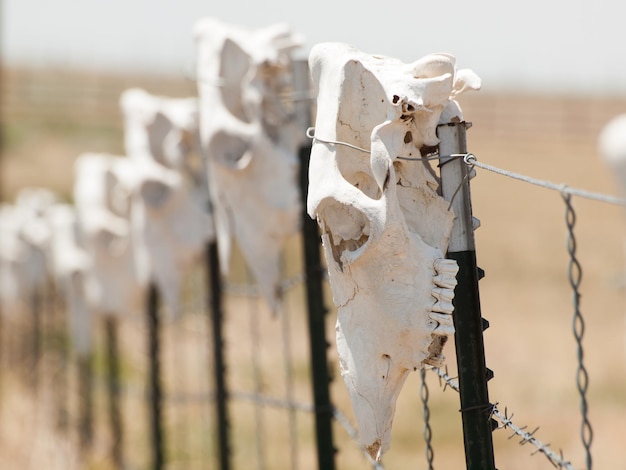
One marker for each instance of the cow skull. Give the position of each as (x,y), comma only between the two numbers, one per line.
(250,139)
(170,213)
(170,228)
(70,266)
(24,240)
(385,227)
(103,186)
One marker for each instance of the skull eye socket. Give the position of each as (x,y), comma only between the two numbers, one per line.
(155,193)
(230,150)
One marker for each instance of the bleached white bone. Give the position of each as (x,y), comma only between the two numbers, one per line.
(170,228)
(250,139)
(170,214)
(385,228)
(24,243)
(103,186)
(70,266)
(161,128)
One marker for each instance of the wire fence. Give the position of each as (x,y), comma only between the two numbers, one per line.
(270,401)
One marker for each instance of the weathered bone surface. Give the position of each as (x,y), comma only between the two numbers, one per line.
(170,226)
(250,139)
(385,228)
(103,186)
(170,214)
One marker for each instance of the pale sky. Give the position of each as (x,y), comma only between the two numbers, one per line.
(564,46)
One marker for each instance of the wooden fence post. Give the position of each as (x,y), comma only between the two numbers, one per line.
(468,323)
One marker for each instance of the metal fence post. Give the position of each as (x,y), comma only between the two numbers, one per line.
(113,388)
(468,323)
(316,311)
(154,353)
(214,282)
(317,328)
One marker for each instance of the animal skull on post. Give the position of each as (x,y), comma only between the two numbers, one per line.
(250,139)
(24,241)
(170,228)
(385,227)
(70,266)
(170,215)
(102,197)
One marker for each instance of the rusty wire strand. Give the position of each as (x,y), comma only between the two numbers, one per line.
(505,421)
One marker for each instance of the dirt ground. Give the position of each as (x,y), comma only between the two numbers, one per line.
(526,296)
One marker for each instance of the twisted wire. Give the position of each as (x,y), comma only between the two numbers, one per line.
(505,422)
(578,323)
(428,434)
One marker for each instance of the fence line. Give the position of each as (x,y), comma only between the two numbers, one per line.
(574,277)
(293,405)
(267,401)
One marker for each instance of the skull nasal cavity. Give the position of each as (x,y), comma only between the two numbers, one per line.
(347,228)
(408,137)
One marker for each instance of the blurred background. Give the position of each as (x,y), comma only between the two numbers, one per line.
(554,73)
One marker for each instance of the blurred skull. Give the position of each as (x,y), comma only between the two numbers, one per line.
(171,214)
(103,186)
(250,139)
(70,266)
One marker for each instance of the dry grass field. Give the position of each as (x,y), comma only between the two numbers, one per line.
(52,116)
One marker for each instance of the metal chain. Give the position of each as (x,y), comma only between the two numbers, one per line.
(575,276)
(428,435)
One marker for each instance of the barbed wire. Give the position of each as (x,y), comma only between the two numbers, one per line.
(505,421)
